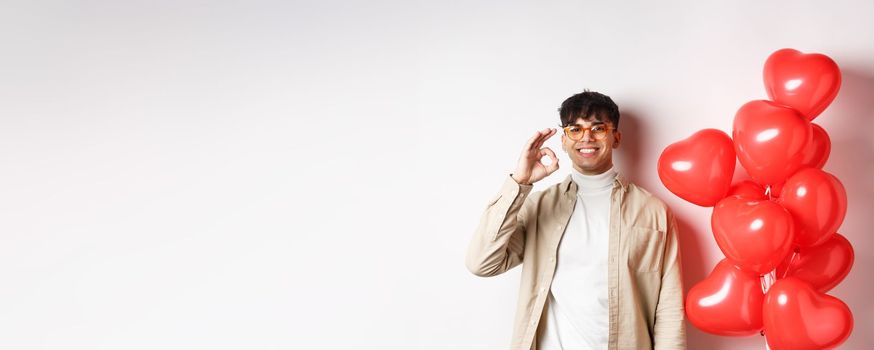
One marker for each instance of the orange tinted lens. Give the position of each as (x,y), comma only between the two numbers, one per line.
(599,132)
(574,132)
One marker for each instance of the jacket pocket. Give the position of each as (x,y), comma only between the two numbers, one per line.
(646,249)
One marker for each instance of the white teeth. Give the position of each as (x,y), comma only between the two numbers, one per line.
(587,150)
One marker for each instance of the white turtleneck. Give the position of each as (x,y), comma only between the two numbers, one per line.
(577,308)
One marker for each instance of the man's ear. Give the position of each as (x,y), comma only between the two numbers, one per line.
(563,139)
(616,139)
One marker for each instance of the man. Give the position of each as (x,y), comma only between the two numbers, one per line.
(601,257)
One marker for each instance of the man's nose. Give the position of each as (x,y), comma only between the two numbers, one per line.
(587,136)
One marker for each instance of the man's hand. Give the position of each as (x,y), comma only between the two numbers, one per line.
(529,169)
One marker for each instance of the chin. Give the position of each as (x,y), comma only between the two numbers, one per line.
(592,168)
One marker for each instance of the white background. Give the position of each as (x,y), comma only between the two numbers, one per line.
(290,175)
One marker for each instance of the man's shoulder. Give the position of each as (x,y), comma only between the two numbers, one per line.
(647,209)
(547,197)
(645,199)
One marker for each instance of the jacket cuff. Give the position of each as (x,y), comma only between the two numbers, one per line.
(511,188)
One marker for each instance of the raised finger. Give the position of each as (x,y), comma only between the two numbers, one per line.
(545,137)
(539,141)
(529,145)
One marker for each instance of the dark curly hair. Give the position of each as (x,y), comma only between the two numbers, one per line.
(589,104)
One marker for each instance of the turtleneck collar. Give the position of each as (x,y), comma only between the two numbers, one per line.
(594,182)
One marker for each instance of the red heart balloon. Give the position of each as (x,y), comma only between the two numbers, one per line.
(797,317)
(817,151)
(818,201)
(727,302)
(805,82)
(699,168)
(770,140)
(823,266)
(754,234)
(748,189)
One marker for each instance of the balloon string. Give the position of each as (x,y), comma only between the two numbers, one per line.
(764,281)
(762,333)
(767,280)
(791,260)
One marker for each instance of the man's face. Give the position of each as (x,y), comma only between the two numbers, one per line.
(590,154)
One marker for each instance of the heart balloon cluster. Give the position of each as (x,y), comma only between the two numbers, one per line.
(778,231)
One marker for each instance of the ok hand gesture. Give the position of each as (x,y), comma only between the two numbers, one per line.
(530,169)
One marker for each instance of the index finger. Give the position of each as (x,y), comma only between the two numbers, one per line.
(533,142)
(546,137)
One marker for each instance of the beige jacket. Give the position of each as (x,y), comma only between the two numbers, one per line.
(644,277)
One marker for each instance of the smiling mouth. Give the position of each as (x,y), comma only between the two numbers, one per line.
(587,150)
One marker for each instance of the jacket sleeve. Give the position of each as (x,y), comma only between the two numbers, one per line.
(670,326)
(498,243)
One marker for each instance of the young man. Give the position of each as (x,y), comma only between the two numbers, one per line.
(601,257)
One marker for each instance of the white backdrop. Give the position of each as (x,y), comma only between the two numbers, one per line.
(290,175)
